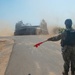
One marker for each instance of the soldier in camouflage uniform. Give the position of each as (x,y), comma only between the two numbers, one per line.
(68,52)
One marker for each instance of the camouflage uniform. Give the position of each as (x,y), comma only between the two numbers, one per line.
(68,53)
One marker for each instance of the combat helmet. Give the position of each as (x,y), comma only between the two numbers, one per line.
(68,22)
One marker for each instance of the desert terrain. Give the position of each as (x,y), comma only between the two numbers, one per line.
(6,46)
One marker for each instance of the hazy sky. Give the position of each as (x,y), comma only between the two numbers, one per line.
(33,11)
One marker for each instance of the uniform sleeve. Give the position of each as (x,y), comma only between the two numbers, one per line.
(55,38)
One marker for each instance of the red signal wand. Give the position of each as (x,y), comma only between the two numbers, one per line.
(38,44)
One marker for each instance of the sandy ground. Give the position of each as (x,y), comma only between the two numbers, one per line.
(26,59)
(6,46)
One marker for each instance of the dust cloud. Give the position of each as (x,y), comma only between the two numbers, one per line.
(51,29)
(6,29)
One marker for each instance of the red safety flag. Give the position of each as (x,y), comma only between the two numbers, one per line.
(38,44)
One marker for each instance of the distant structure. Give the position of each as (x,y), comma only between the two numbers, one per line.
(28,29)
(43,27)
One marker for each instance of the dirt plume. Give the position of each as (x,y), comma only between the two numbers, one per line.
(6,29)
(6,32)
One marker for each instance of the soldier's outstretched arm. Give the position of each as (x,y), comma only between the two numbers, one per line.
(55,38)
